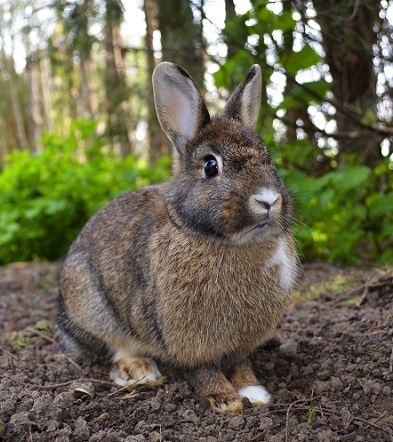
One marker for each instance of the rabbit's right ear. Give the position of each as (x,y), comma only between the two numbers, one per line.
(180,108)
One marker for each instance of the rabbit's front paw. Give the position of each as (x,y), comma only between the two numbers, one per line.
(226,402)
(135,371)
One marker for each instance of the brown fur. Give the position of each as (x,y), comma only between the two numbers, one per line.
(181,272)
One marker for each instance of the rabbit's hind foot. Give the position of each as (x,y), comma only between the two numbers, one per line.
(226,403)
(256,394)
(133,371)
(242,377)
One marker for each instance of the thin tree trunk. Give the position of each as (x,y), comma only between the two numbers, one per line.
(118,112)
(89,99)
(35,132)
(348,40)
(180,39)
(16,109)
(158,143)
(230,40)
(45,88)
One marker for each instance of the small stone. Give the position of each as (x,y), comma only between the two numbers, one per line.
(336,383)
(269,366)
(8,405)
(190,416)
(81,429)
(265,423)
(324,375)
(236,423)
(324,436)
(170,408)
(145,428)
(288,349)
(155,436)
(20,420)
(52,425)
(155,404)
(273,438)
(387,391)
(136,438)
(308,370)
(142,427)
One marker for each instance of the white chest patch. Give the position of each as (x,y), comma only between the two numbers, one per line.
(286,262)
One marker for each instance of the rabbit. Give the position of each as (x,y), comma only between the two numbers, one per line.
(195,273)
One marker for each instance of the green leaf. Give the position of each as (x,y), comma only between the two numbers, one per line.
(268,21)
(311,92)
(303,59)
(349,178)
(381,204)
(234,69)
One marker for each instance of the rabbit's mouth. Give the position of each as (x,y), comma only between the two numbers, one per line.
(261,225)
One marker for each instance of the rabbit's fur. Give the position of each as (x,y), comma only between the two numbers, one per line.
(196,272)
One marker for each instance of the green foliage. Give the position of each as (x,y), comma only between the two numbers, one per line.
(45,199)
(340,216)
(296,61)
(304,94)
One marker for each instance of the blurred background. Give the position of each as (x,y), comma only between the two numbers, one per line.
(78,124)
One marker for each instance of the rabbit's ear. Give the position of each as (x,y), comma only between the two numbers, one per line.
(245,102)
(180,107)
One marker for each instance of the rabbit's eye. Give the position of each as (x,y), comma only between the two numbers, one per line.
(211,167)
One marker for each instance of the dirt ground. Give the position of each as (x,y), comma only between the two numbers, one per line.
(329,371)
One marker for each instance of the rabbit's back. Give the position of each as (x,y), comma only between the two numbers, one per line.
(106,282)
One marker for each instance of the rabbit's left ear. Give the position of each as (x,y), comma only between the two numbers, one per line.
(180,108)
(245,102)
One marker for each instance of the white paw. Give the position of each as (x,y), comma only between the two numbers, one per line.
(149,378)
(223,407)
(255,394)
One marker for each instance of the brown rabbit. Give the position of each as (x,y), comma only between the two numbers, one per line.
(196,272)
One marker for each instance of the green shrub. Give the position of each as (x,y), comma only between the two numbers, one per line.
(341,217)
(46,198)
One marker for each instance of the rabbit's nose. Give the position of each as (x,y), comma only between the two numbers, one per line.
(267,206)
(266,200)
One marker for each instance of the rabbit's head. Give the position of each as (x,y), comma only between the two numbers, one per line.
(224,183)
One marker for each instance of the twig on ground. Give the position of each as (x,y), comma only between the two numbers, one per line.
(120,390)
(64,384)
(42,335)
(371,424)
(72,362)
(311,399)
(292,408)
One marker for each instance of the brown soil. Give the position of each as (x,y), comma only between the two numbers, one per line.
(329,371)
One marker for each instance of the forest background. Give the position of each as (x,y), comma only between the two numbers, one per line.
(78,124)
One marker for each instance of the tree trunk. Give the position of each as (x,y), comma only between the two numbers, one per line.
(348,40)
(89,101)
(230,39)
(158,143)
(35,120)
(181,42)
(16,109)
(44,86)
(118,112)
